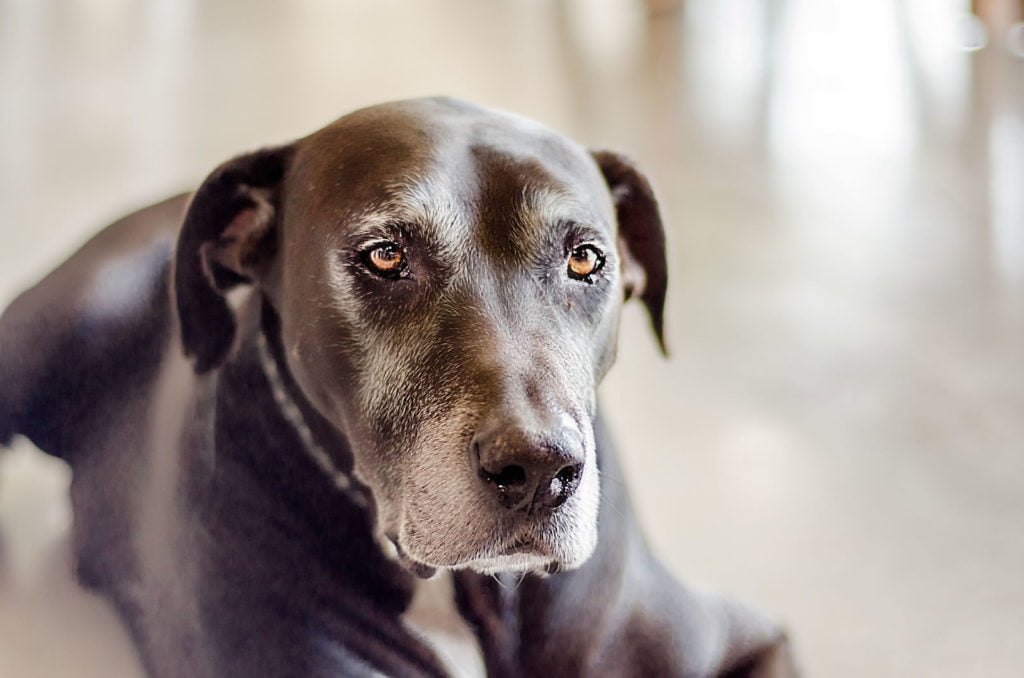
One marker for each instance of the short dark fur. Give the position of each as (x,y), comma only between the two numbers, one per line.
(199,513)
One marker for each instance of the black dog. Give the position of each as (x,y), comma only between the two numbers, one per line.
(409,387)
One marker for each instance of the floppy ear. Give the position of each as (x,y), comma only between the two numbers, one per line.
(228,238)
(641,236)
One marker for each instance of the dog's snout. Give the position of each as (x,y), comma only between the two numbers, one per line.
(529,471)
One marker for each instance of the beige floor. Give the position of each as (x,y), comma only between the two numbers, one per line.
(839,435)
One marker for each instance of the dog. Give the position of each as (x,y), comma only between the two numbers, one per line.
(347,386)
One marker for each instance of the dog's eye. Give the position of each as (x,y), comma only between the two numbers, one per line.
(385,259)
(585,261)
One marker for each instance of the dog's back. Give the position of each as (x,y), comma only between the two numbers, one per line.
(79,353)
(85,333)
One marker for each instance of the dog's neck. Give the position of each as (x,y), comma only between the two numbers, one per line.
(300,442)
(280,466)
(299,413)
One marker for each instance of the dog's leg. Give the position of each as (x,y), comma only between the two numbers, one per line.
(622,614)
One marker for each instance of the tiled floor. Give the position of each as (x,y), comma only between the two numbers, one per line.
(839,435)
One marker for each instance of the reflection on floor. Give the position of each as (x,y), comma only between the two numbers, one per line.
(838,435)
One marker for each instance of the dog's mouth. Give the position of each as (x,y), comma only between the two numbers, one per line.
(421,570)
(446,523)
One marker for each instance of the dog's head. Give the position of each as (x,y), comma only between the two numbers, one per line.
(448,281)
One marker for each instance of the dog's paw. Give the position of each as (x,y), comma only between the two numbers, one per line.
(774,661)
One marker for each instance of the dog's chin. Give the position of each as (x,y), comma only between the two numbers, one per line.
(534,563)
(520,562)
(520,557)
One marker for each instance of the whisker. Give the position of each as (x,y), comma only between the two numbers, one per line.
(617,481)
(522,576)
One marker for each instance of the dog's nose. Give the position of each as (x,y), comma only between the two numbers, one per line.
(529,471)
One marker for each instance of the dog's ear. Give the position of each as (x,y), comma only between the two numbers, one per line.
(228,238)
(641,236)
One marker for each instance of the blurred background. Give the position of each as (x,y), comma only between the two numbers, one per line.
(839,434)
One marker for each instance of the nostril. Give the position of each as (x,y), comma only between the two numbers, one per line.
(510,476)
(509,484)
(568,475)
(564,483)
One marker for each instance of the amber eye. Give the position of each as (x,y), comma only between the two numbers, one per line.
(385,259)
(585,261)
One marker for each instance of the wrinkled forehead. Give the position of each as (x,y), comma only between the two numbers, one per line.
(450,168)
